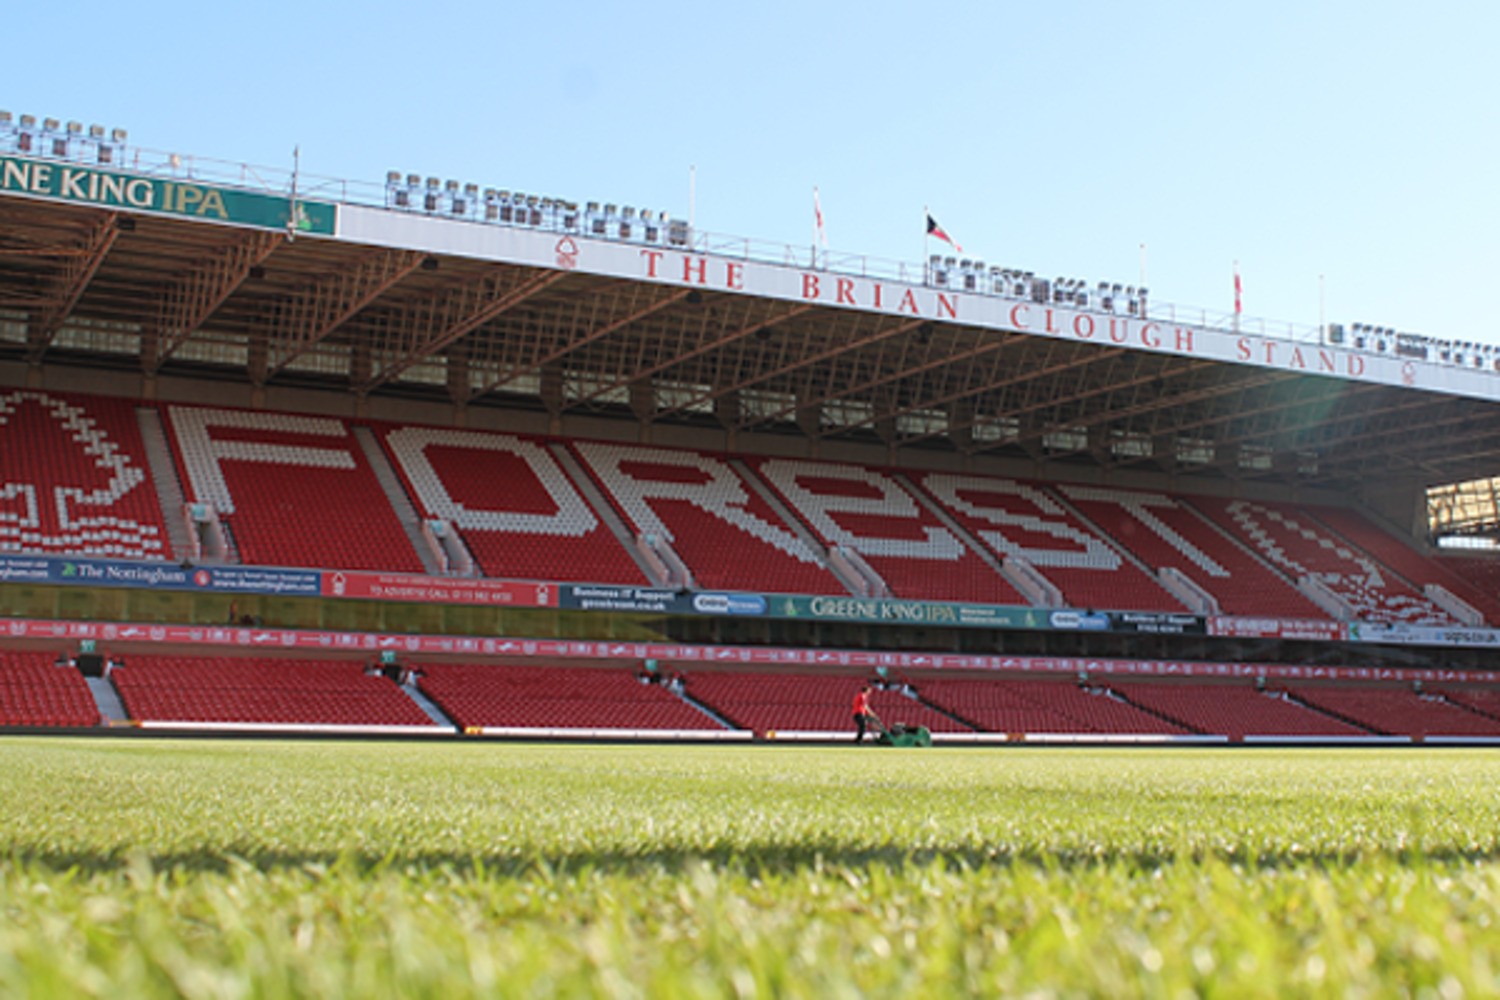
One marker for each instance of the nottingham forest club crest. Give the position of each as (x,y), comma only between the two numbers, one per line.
(567,253)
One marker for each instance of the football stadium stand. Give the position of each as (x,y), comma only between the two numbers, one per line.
(867,512)
(512,503)
(1032,706)
(1165,533)
(299,491)
(293,490)
(1238,711)
(1485,701)
(1482,573)
(785,703)
(718,525)
(229,690)
(1413,566)
(505,697)
(1294,542)
(1398,711)
(1019,520)
(73,479)
(36,691)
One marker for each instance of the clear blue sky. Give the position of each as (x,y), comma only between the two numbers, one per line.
(1354,140)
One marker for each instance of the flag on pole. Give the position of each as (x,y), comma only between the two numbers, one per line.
(818,218)
(1238,305)
(933,229)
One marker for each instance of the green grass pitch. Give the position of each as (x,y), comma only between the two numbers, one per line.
(232,869)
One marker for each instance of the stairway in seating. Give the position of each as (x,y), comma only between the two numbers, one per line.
(794,524)
(584,482)
(164,476)
(426,704)
(111,708)
(390,485)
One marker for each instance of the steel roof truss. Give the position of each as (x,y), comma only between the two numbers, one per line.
(311,315)
(72,279)
(188,303)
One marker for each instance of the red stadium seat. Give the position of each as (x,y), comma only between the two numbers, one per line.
(1399,711)
(1294,542)
(74,479)
(223,689)
(1162,531)
(1023,520)
(35,691)
(512,504)
(542,697)
(1042,706)
(868,512)
(717,524)
(766,702)
(294,491)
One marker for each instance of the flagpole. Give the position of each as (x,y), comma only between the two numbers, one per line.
(1237,304)
(926,246)
(291,222)
(817,225)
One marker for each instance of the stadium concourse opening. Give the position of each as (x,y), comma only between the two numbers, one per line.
(374,464)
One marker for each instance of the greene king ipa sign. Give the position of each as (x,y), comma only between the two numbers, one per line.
(77,183)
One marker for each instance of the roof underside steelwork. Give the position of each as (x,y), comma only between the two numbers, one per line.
(82,285)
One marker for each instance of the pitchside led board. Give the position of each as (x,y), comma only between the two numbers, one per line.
(167,195)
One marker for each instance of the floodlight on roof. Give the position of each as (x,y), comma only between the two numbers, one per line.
(118,135)
(59,140)
(459,203)
(96,132)
(75,128)
(28,121)
(5,119)
(399,194)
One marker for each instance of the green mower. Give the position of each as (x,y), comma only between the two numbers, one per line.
(902,735)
